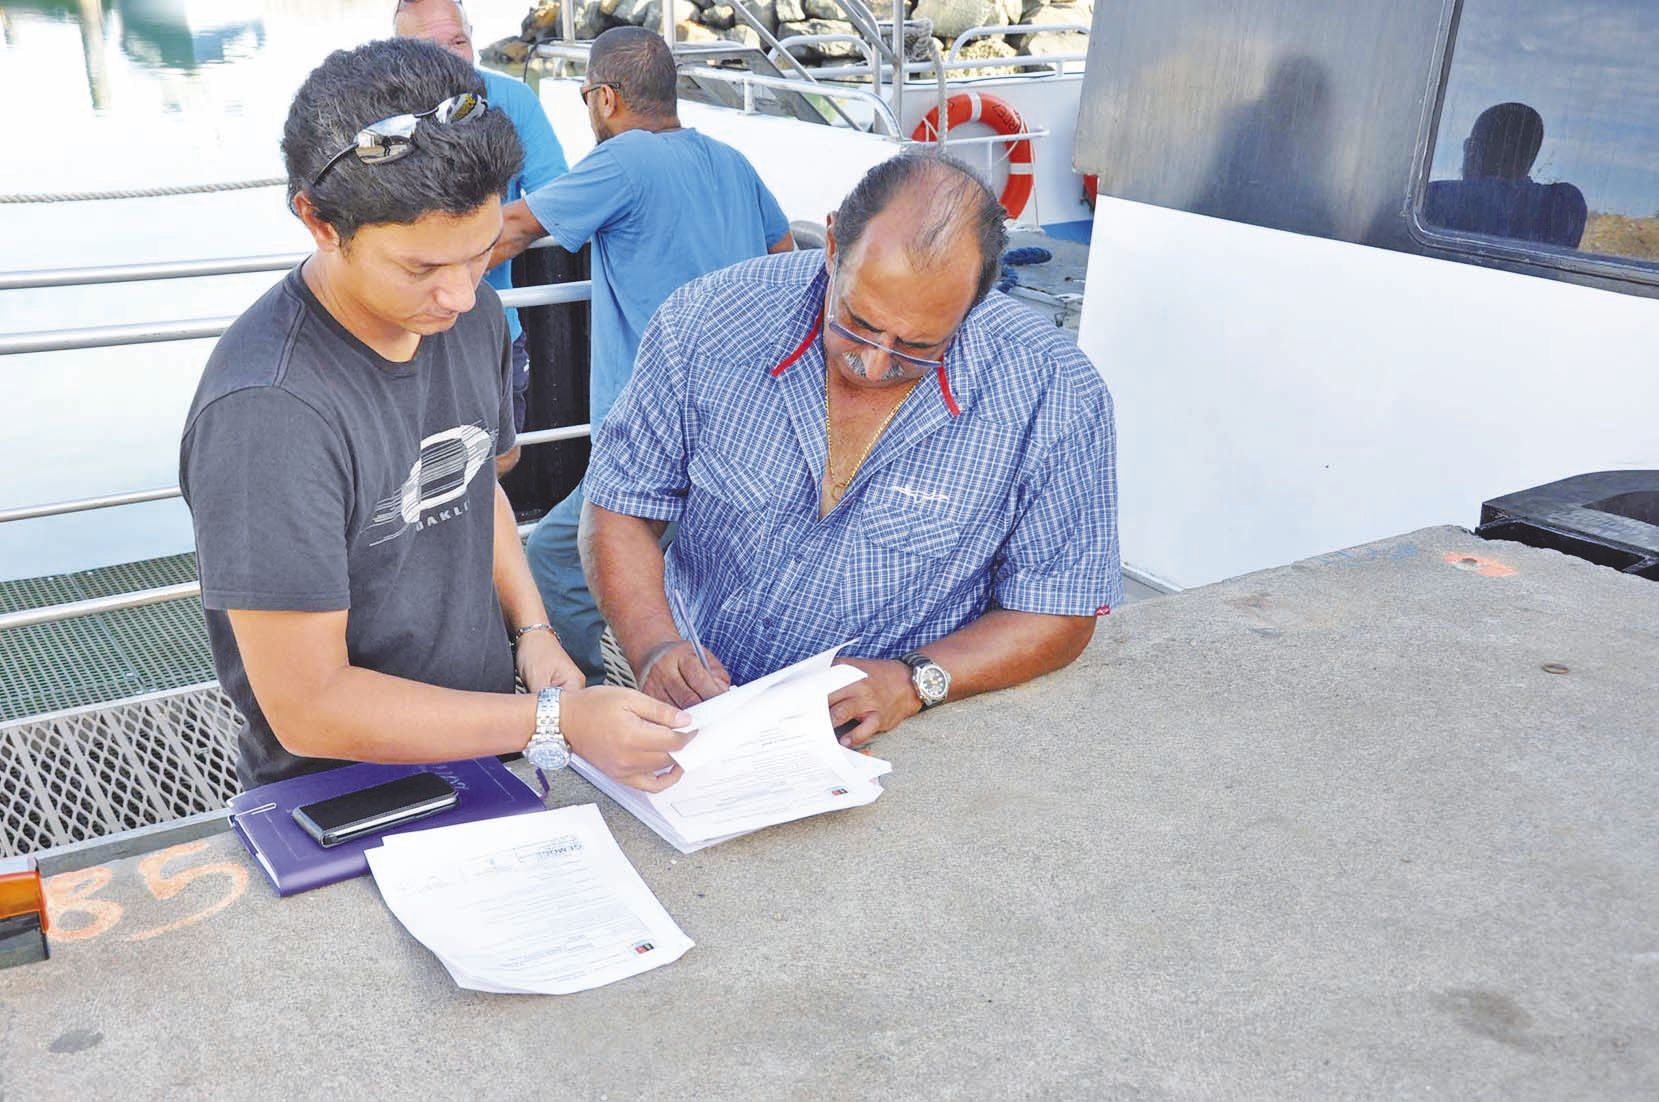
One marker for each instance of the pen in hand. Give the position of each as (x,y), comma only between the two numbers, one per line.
(684,615)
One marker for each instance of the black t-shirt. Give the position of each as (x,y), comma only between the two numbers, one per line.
(322,477)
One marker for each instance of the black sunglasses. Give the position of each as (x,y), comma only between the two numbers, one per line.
(389,139)
(589,89)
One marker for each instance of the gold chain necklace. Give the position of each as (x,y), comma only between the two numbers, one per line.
(837,488)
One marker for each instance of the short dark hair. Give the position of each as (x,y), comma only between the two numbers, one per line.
(638,61)
(1505,140)
(453,168)
(958,203)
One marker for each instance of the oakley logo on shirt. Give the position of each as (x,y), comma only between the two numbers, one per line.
(447,464)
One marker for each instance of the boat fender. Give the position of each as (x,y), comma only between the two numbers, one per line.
(966,107)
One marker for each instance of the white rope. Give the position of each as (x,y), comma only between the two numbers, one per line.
(139,193)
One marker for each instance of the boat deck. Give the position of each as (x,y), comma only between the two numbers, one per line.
(1379,823)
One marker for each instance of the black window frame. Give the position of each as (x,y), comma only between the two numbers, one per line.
(1480,247)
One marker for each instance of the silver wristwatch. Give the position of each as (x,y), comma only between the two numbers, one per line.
(547,748)
(931,680)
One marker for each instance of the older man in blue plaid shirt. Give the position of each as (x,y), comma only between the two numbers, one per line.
(859,444)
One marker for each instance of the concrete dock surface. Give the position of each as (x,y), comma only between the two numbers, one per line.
(1379,824)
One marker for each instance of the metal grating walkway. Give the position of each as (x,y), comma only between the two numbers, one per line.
(102,770)
(109,722)
(109,656)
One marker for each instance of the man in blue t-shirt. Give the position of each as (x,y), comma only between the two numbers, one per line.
(444,24)
(662,205)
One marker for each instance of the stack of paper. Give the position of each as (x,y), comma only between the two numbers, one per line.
(533,904)
(765,753)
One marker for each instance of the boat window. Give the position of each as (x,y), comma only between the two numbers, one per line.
(1547,143)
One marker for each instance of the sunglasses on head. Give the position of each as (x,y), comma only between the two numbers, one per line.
(390,139)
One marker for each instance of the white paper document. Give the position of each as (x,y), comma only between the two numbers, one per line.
(544,903)
(765,753)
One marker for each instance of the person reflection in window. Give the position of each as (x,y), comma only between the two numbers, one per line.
(1497,196)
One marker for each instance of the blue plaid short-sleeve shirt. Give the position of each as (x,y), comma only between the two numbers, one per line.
(993,487)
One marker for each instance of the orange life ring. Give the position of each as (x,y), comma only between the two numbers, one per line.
(966,107)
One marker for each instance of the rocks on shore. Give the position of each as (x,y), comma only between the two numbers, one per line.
(734,21)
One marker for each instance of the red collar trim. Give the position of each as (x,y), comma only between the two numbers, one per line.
(944,390)
(818,328)
(800,349)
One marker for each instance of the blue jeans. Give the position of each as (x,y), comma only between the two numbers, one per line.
(521,381)
(556,565)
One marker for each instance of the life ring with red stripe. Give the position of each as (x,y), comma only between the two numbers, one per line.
(966,107)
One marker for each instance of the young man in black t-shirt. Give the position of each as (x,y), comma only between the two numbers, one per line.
(361,568)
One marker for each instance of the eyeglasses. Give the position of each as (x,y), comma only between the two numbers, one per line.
(588,89)
(390,139)
(902,357)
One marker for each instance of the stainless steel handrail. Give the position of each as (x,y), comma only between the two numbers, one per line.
(127,273)
(172,269)
(816,39)
(883,112)
(30,617)
(994,139)
(51,614)
(1029,29)
(81,505)
(105,336)
(576,291)
(164,493)
(829,73)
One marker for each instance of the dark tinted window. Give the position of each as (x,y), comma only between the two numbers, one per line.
(1548,134)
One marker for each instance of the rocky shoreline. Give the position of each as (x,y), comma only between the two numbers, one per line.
(711,21)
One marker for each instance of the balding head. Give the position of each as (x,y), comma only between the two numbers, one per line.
(440,22)
(935,207)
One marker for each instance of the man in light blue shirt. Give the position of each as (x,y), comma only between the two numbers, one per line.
(444,24)
(662,205)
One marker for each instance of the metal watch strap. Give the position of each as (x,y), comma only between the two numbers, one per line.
(520,633)
(547,748)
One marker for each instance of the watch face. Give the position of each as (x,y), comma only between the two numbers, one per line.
(548,754)
(932,683)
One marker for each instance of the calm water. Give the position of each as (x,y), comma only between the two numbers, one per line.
(125,94)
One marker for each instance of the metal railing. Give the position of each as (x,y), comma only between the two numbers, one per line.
(138,598)
(1028,29)
(747,81)
(106,336)
(781,50)
(112,335)
(130,273)
(881,55)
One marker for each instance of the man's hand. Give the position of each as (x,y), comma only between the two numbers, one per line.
(541,662)
(880,702)
(672,673)
(625,734)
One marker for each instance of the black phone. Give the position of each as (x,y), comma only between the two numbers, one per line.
(371,810)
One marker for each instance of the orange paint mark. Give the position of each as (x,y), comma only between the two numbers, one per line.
(164,886)
(1486,568)
(71,893)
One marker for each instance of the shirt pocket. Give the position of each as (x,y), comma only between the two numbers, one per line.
(903,562)
(728,519)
